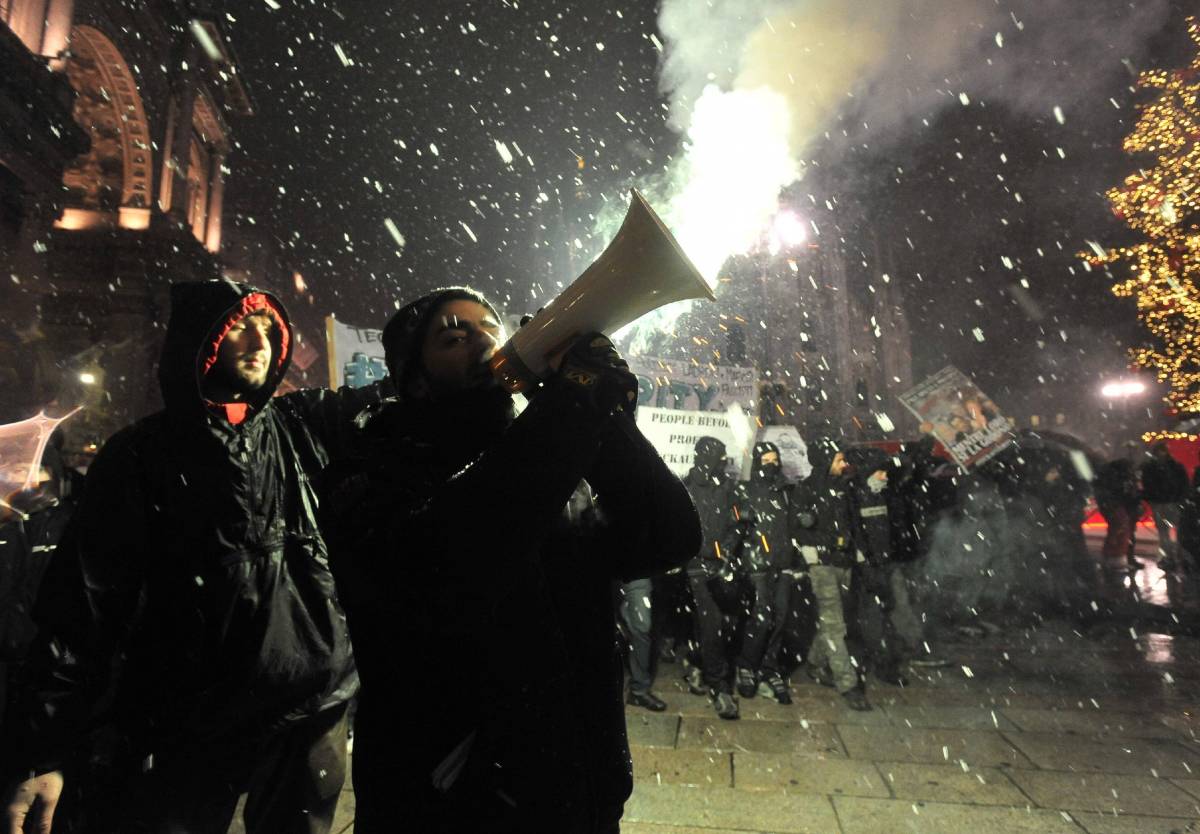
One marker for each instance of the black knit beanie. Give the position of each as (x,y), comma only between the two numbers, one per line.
(405,331)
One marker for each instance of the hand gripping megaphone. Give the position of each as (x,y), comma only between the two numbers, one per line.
(641,270)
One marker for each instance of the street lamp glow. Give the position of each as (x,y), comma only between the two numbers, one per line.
(1123,388)
(87,378)
(787,231)
(790,228)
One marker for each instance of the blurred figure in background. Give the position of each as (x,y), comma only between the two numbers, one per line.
(711,489)
(1120,503)
(29,533)
(1165,487)
(823,525)
(874,597)
(761,506)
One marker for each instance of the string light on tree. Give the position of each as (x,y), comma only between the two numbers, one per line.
(1162,203)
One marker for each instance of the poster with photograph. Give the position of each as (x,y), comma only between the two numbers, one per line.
(953,409)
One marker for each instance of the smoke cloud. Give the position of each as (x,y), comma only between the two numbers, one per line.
(755,86)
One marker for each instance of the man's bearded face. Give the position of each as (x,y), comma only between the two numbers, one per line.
(245,355)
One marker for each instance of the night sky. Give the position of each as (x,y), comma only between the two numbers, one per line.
(408,132)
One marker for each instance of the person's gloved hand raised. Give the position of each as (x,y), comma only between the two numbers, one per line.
(598,375)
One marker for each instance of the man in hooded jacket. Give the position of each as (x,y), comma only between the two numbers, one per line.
(825,527)
(194,565)
(712,489)
(765,551)
(459,531)
(875,599)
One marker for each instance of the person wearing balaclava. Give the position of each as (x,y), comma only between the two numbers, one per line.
(874,598)
(824,528)
(195,559)
(711,487)
(478,574)
(765,548)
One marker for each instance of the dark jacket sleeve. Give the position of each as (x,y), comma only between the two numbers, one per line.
(88,601)
(330,414)
(497,508)
(650,522)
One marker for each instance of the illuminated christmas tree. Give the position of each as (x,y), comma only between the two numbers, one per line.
(1161,203)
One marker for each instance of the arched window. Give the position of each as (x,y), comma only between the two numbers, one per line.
(109,185)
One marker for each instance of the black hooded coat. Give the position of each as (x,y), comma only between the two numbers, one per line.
(823,514)
(713,494)
(195,557)
(761,507)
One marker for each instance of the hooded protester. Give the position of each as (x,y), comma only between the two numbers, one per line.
(459,532)
(824,526)
(710,486)
(875,592)
(195,566)
(765,551)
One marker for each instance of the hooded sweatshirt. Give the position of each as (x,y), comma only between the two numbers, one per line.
(712,491)
(823,517)
(195,555)
(761,508)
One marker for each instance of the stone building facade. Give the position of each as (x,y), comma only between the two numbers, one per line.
(130,198)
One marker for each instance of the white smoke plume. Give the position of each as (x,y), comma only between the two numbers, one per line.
(754,85)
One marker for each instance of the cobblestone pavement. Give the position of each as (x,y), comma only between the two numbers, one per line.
(1046,729)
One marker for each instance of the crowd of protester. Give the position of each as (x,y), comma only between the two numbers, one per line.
(812,574)
(844,574)
(177,632)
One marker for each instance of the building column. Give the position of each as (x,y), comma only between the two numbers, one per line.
(27,20)
(57,38)
(216,199)
(177,144)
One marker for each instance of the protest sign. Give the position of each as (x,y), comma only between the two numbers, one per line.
(355,354)
(679,403)
(793,451)
(953,409)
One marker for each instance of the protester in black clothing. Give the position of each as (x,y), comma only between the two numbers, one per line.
(1120,503)
(764,549)
(195,559)
(457,545)
(1058,499)
(917,496)
(30,528)
(1165,488)
(825,526)
(873,580)
(711,488)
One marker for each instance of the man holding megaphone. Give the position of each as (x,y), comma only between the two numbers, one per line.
(483,548)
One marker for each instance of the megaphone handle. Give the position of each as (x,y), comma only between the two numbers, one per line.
(513,372)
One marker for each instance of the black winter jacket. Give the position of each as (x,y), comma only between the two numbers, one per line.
(713,494)
(1164,481)
(823,517)
(461,566)
(761,506)
(195,555)
(873,514)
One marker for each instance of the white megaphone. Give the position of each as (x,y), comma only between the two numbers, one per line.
(641,270)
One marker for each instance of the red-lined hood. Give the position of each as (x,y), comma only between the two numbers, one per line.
(252,303)
(202,313)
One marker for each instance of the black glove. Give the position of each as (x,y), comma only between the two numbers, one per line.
(598,376)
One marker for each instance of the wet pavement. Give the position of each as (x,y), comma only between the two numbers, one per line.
(1054,727)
